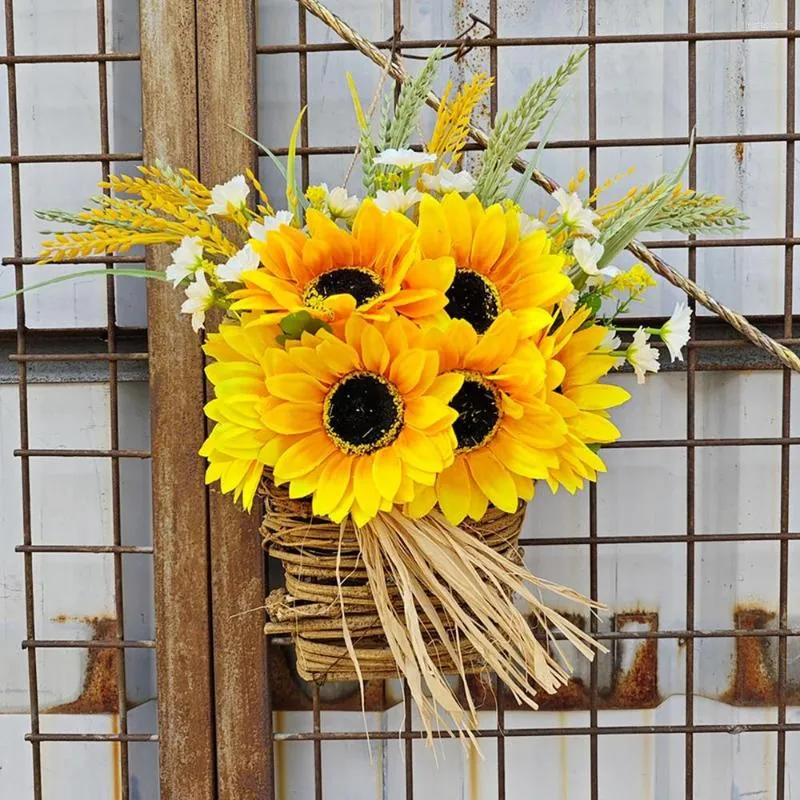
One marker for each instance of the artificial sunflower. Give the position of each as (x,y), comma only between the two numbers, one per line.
(357,423)
(506,434)
(331,272)
(239,446)
(497,269)
(576,360)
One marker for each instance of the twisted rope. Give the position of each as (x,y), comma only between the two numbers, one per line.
(737,321)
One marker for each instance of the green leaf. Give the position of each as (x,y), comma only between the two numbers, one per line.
(293,192)
(118,273)
(294,325)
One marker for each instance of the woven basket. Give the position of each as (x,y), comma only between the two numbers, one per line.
(310,607)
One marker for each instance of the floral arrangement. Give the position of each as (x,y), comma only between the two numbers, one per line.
(402,367)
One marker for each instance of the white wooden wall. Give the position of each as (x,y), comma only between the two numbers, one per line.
(741,89)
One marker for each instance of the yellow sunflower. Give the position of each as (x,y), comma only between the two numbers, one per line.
(575,363)
(506,434)
(332,272)
(357,423)
(239,446)
(496,268)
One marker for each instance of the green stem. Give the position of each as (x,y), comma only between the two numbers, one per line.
(119,273)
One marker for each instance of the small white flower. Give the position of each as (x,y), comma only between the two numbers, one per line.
(568,304)
(341,204)
(229,197)
(185,259)
(573,214)
(587,254)
(404,159)
(231,271)
(397,199)
(529,225)
(259,230)
(641,355)
(602,275)
(199,298)
(611,342)
(675,331)
(447,181)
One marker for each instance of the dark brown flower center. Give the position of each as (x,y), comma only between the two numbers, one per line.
(362,283)
(473,297)
(363,413)
(478,405)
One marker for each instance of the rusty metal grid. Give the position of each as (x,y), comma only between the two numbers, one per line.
(113,345)
(712,347)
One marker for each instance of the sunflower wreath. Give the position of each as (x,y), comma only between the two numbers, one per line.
(397,372)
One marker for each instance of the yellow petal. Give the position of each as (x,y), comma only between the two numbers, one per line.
(598,396)
(366,493)
(423,502)
(295,418)
(387,472)
(493,480)
(303,456)
(333,483)
(429,414)
(453,491)
(374,352)
(460,225)
(296,387)
(488,239)
(593,428)
(417,451)
(434,231)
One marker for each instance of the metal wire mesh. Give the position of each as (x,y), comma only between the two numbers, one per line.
(112,345)
(711,348)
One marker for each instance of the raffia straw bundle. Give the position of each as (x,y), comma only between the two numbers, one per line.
(415,598)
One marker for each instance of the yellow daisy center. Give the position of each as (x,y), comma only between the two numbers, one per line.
(362,413)
(479,414)
(362,283)
(475,298)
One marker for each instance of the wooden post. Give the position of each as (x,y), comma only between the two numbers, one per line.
(226,89)
(180,506)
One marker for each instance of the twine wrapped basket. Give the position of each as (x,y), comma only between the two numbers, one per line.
(327,584)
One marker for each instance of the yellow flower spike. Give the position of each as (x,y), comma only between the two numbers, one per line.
(496,270)
(375,269)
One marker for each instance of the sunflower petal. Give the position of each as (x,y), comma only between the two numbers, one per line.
(493,480)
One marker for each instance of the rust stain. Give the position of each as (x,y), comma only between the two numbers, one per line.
(739,153)
(572,696)
(99,694)
(754,679)
(638,686)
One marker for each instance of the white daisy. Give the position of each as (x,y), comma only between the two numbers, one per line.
(199,298)
(397,199)
(641,355)
(404,159)
(447,181)
(675,331)
(340,204)
(573,213)
(259,230)
(231,271)
(185,259)
(229,197)
(587,254)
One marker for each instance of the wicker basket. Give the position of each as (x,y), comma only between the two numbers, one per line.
(313,552)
